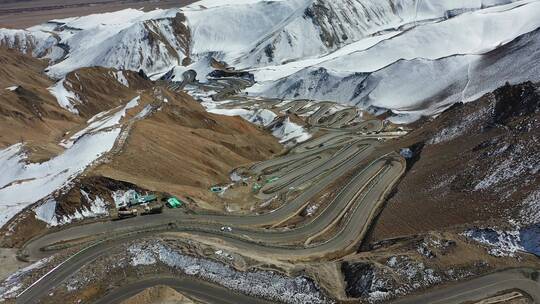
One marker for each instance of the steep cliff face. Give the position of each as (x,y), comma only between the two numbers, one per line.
(315,28)
(152,45)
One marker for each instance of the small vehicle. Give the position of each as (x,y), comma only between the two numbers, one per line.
(122,214)
(225,229)
(216,189)
(156,209)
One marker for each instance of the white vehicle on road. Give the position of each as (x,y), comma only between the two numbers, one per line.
(225,229)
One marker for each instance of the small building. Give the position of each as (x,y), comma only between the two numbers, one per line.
(173,202)
(134,198)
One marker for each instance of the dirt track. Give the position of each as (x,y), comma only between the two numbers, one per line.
(22,14)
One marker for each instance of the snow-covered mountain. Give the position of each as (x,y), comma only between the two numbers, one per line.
(425,69)
(430,53)
(129,39)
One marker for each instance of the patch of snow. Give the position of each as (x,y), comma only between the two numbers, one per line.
(140,256)
(262,117)
(121,198)
(10,287)
(121,78)
(102,121)
(46,212)
(66,99)
(147,110)
(518,162)
(35,43)
(13,88)
(459,127)
(530,210)
(265,284)
(509,242)
(415,272)
(246,114)
(288,131)
(176,74)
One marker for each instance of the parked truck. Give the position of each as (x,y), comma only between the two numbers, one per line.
(152,209)
(127,213)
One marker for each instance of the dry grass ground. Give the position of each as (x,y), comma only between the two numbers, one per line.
(9,262)
(30,112)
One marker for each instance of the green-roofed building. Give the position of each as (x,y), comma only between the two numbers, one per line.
(173,202)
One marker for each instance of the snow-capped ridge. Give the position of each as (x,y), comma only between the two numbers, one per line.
(397,73)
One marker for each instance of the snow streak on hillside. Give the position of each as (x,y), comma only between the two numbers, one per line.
(410,56)
(22,184)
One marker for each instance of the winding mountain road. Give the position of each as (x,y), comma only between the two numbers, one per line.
(342,151)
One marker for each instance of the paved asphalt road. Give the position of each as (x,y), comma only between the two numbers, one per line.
(473,290)
(526,280)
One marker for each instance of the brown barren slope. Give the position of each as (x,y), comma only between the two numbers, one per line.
(478,163)
(182,149)
(30,112)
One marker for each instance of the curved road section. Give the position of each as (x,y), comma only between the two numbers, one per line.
(526,280)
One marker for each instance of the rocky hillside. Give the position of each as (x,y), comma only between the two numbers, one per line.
(101,129)
(474,166)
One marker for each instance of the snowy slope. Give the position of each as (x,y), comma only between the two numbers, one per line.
(129,39)
(258,33)
(66,98)
(423,70)
(375,54)
(35,43)
(244,33)
(22,184)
